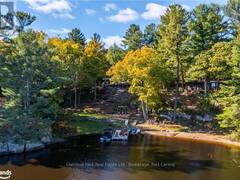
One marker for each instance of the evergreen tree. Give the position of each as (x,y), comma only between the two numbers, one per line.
(77,36)
(229,95)
(207,27)
(114,54)
(212,64)
(30,87)
(95,63)
(233,10)
(70,55)
(150,35)
(133,37)
(172,40)
(24,19)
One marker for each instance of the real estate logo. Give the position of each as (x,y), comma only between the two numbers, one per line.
(5,174)
(6,15)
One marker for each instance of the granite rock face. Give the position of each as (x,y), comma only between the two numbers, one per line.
(205,118)
(46,140)
(3,149)
(15,148)
(34,146)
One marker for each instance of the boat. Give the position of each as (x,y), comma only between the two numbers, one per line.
(134,131)
(106,136)
(120,135)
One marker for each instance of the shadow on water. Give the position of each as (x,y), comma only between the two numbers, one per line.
(142,153)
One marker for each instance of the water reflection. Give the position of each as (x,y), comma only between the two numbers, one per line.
(142,157)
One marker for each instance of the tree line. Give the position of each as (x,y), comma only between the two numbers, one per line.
(36,70)
(201,45)
(35,73)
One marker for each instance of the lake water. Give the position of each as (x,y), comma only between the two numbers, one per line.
(142,158)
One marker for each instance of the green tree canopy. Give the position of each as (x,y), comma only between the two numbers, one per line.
(24,19)
(133,37)
(229,94)
(172,43)
(212,64)
(150,35)
(114,54)
(147,74)
(233,10)
(77,36)
(30,86)
(95,63)
(207,26)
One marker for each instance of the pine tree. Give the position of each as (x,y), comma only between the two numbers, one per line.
(24,19)
(114,54)
(20,19)
(233,10)
(229,95)
(77,36)
(171,43)
(95,63)
(70,55)
(212,64)
(133,37)
(30,87)
(150,35)
(207,27)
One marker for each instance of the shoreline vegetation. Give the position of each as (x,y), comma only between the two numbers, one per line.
(162,129)
(182,74)
(74,124)
(83,125)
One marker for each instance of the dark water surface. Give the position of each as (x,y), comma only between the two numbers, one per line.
(141,158)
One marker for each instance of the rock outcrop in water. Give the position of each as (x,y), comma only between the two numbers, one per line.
(3,149)
(15,148)
(8,148)
(34,146)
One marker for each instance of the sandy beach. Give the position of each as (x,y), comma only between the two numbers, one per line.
(191,136)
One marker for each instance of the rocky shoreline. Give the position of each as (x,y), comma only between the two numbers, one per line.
(10,148)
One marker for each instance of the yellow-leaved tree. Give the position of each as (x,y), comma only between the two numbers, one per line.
(95,63)
(70,55)
(147,75)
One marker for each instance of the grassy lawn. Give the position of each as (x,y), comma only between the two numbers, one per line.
(89,127)
(84,123)
(83,115)
(84,126)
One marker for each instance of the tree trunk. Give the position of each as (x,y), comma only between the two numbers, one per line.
(75,98)
(144,110)
(95,91)
(205,87)
(183,79)
(70,99)
(26,100)
(176,90)
(79,97)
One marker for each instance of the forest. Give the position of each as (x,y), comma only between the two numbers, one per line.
(163,65)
